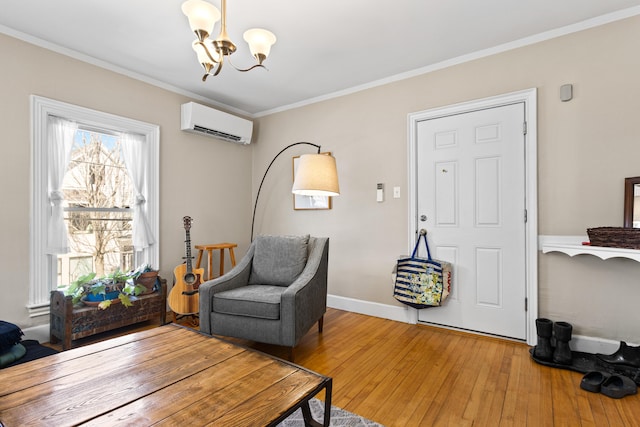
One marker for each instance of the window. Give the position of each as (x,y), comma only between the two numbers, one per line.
(130,215)
(97,190)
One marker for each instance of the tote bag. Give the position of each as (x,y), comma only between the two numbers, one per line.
(420,282)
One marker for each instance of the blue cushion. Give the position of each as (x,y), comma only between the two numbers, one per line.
(14,353)
(278,260)
(9,335)
(11,355)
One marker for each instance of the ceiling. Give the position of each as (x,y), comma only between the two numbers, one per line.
(324,47)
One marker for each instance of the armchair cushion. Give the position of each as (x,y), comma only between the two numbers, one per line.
(278,260)
(258,301)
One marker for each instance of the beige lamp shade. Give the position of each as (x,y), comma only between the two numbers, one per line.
(316,175)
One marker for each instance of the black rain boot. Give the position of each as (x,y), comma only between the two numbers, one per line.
(562,354)
(625,355)
(543,350)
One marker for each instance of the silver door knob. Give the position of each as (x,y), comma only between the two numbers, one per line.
(423,218)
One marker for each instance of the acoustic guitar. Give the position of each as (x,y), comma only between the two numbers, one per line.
(184,298)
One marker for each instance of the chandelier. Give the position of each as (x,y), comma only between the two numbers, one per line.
(213,52)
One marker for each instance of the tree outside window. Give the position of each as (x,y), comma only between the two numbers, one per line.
(97,191)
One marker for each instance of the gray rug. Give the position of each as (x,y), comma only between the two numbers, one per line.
(339,417)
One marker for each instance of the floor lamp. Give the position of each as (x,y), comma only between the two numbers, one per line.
(316,175)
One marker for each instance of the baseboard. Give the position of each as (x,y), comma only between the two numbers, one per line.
(39,333)
(384,311)
(581,343)
(594,344)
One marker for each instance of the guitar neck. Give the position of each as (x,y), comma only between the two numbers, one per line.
(188,246)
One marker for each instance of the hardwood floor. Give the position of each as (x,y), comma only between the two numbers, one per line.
(414,375)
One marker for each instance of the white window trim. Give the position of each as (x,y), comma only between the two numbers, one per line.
(42,267)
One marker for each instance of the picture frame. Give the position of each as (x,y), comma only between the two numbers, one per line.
(631,202)
(308,202)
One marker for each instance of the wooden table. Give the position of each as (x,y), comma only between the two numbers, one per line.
(169,375)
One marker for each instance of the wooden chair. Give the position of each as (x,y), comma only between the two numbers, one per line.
(210,248)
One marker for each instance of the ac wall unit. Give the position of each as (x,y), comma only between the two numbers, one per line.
(197,118)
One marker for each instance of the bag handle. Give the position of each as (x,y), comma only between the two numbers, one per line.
(423,236)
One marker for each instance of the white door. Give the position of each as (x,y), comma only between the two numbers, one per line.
(471,199)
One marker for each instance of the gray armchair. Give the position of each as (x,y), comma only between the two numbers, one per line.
(274,295)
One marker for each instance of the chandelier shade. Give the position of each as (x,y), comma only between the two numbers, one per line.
(203,54)
(260,42)
(202,15)
(212,52)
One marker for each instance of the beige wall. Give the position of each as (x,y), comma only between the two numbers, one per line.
(208,179)
(586,148)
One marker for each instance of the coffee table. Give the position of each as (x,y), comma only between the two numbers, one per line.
(170,375)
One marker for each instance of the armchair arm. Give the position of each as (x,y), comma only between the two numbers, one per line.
(237,277)
(305,300)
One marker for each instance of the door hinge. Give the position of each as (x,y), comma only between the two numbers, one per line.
(526,304)
(524,128)
(525,216)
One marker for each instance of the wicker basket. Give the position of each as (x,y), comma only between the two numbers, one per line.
(615,237)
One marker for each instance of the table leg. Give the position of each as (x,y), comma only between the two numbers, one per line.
(327,404)
(306,410)
(308,418)
(221,261)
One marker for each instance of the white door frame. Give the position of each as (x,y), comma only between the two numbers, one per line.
(529,97)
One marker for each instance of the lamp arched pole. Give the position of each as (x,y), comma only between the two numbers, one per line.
(255,206)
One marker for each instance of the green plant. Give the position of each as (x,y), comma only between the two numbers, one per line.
(119,276)
(78,288)
(117,282)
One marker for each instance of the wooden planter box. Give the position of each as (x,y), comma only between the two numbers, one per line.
(70,323)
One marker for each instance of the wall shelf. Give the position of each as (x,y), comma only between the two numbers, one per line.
(572,246)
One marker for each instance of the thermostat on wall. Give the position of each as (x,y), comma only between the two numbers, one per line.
(566,92)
